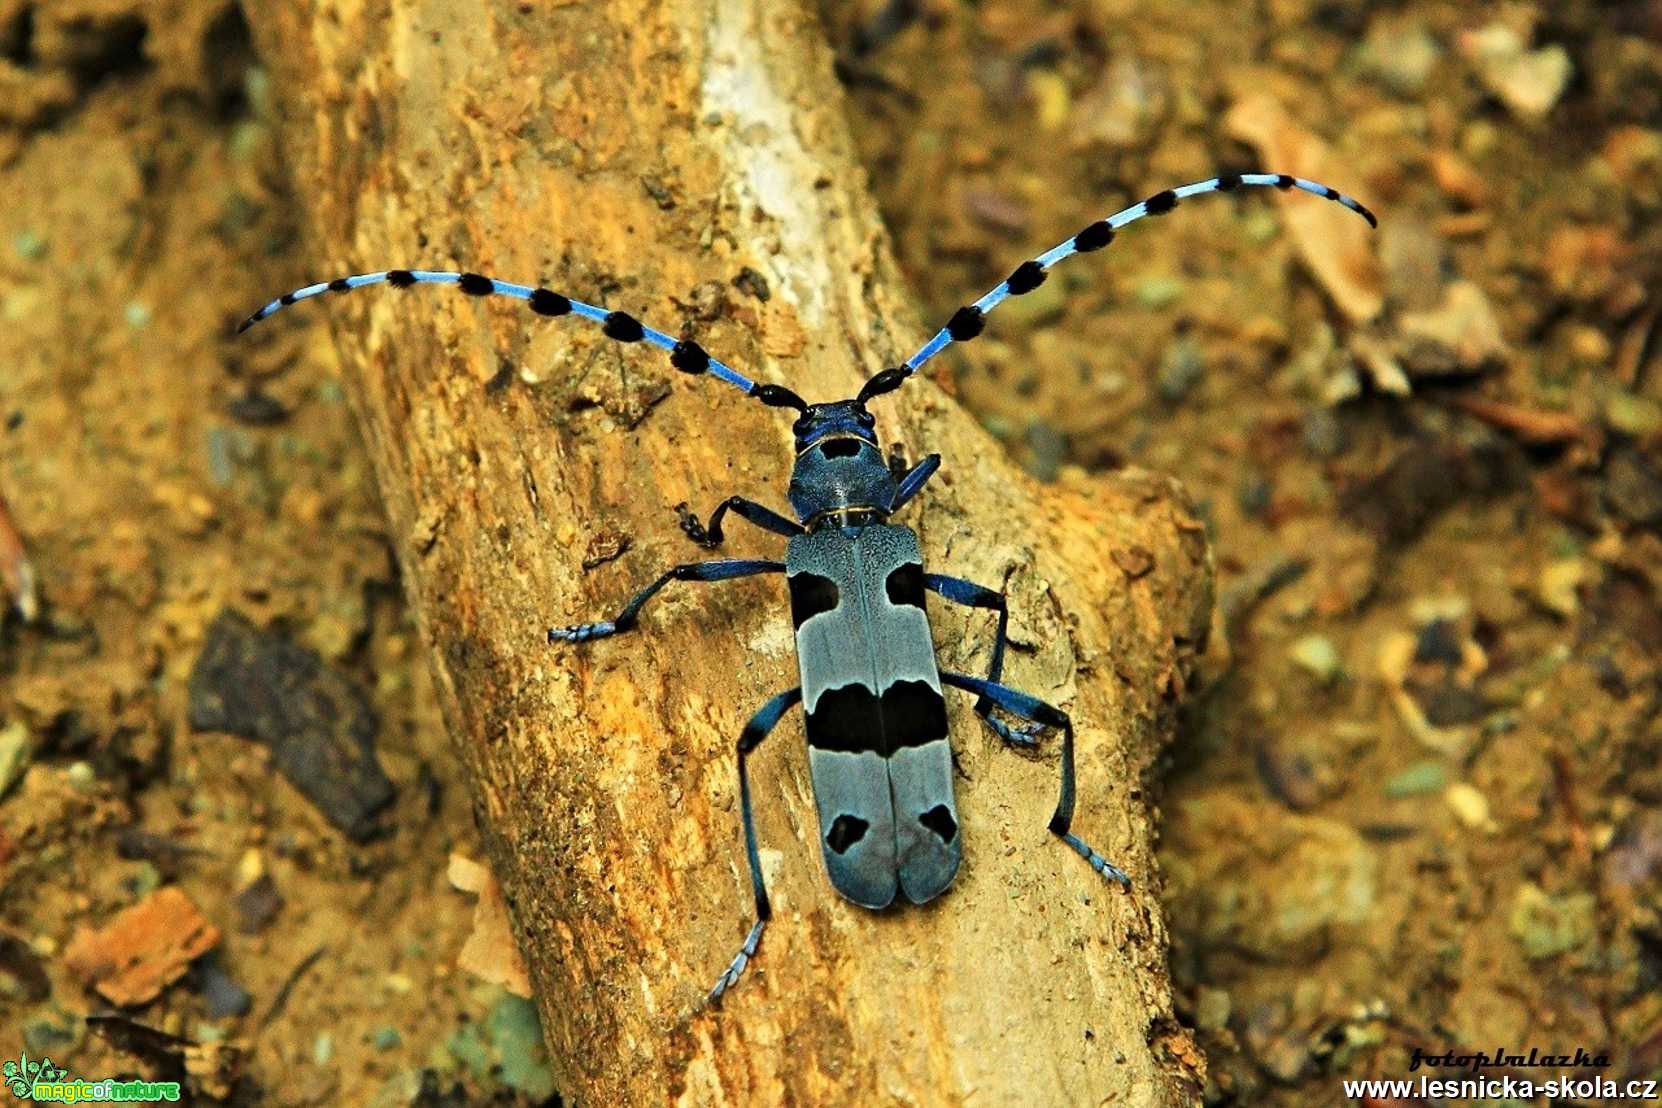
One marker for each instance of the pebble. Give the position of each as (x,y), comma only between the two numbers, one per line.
(387,1038)
(1632,487)
(29,246)
(319,724)
(1398,53)
(1052,101)
(516,1032)
(323,1048)
(1427,776)
(222,996)
(1211,1009)
(1459,335)
(1048,450)
(15,750)
(1324,434)
(1546,926)
(1180,370)
(81,776)
(1639,416)
(1559,586)
(1468,805)
(1529,82)
(1318,655)
(1153,292)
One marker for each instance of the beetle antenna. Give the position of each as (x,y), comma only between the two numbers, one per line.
(684,354)
(966,323)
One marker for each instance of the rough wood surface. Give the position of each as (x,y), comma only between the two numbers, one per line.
(644,155)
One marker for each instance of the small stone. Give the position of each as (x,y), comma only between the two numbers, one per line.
(81,776)
(1460,335)
(1632,487)
(1181,369)
(16,748)
(1422,777)
(29,246)
(319,724)
(323,1048)
(1527,81)
(1448,703)
(1318,655)
(257,905)
(257,408)
(516,1033)
(136,313)
(222,996)
(402,1090)
(1324,434)
(1158,292)
(1048,449)
(1546,926)
(387,1038)
(1559,585)
(1286,1059)
(1468,805)
(1123,108)
(1211,1009)
(46,1037)
(250,867)
(1051,98)
(1639,416)
(1399,53)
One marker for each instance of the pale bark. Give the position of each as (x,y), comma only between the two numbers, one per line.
(626,153)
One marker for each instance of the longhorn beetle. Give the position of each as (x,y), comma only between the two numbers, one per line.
(875,717)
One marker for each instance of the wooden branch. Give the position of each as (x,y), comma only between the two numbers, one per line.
(644,156)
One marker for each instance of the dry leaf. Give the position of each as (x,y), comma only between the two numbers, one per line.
(1331,240)
(490,953)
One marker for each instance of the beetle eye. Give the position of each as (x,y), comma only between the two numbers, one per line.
(867,419)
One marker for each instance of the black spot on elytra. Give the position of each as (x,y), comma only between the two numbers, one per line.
(966,323)
(623,327)
(400,278)
(545,302)
(905,585)
(475,284)
(1094,237)
(840,448)
(846,830)
(689,357)
(850,720)
(1160,203)
(1028,276)
(811,595)
(844,720)
(939,820)
(914,713)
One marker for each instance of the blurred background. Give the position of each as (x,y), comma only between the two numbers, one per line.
(1416,804)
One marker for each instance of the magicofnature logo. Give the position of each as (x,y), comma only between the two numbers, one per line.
(43,1082)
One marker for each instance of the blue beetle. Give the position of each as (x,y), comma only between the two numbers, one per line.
(876,722)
